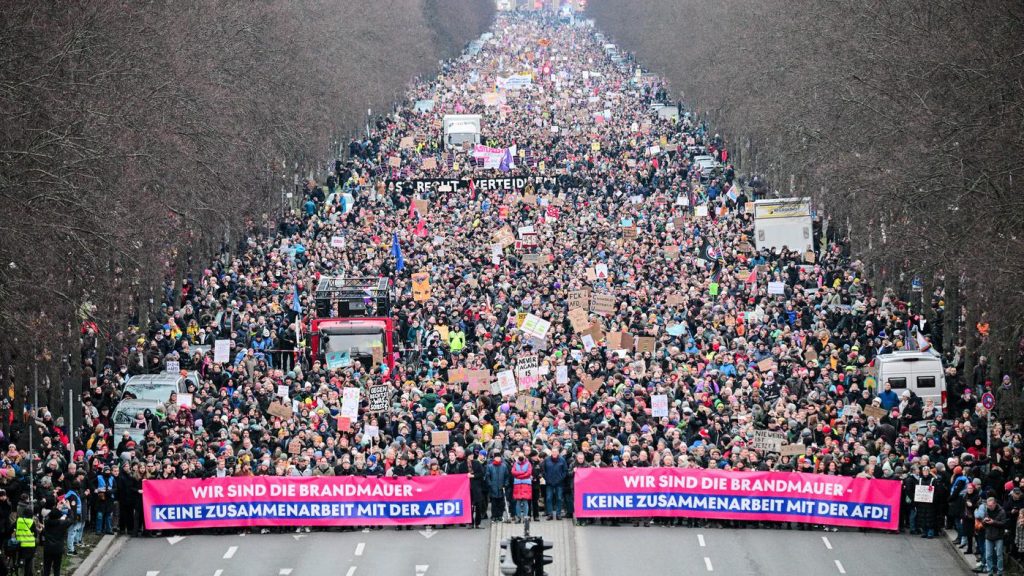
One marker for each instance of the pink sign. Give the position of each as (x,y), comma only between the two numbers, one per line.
(720,494)
(312,501)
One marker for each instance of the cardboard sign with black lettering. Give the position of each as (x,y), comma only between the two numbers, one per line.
(528,403)
(579,319)
(578,299)
(645,344)
(769,440)
(602,304)
(279,411)
(439,438)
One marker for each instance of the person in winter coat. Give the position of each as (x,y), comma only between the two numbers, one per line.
(995,523)
(926,510)
(25,530)
(478,487)
(522,485)
(970,500)
(55,532)
(497,476)
(555,471)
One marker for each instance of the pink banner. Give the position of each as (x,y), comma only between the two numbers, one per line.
(719,494)
(313,501)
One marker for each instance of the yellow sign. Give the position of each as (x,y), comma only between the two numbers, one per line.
(421,286)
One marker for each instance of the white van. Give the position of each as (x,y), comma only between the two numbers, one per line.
(920,372)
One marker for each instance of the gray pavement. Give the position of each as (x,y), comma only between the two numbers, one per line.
(450,552)
(605,550)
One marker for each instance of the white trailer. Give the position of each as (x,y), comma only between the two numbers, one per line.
(459,128)
(783,222)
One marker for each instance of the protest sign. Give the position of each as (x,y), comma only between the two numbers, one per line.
(645,344)
(282,390)
(295,447)
(579,319)
(768,440)
(439,438)
(533,259)
(235,502)
(478,379)
(380,395)
(173,366)
(620,340)
(776,288)
(528,403)
(793,450)
(407,142)
(185,400)
(535,326)
(592,384)
(562,374)
(371,431)
(421,286)
(337,241)
(734,495)
(924,494)
(350,402)
(674,299)
(577,299)
(602,304)
(422,206)
(458,375)
(279,410)
(221,351)
(659,405)
(875,412)
(766,364)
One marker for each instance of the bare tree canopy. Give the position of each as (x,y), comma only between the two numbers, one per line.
(905,122)
(134,136)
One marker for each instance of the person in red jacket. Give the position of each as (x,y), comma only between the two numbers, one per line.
(522,485)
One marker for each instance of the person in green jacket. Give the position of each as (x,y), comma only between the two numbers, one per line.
(456,340)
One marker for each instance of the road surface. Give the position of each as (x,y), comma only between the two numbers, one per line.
(451,552)
(751,552)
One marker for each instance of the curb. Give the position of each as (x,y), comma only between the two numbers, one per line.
(570,539)
(107,548)
(493,553)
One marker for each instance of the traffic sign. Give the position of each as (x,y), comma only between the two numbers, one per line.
(988,400)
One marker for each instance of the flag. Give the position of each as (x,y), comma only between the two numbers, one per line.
(296,304)
(752,278)
(922,344)
(506,161)
(472,190)
(396,251)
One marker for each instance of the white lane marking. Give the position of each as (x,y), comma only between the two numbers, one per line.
(218,573)
(421,569)
(230,553)
(707,564)
(351,571)
(827,543)
(428,532)
(359,548)
(839,566)
(700,540)
(285,571)
(152,572)
(172,540)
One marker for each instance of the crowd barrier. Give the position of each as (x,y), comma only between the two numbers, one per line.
(754,496)
(305,501)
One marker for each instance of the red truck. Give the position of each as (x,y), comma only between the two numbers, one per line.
(352,322)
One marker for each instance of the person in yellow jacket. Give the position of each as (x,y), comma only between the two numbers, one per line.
(25,529)
(456,340)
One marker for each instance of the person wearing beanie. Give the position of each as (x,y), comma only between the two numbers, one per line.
(54,534)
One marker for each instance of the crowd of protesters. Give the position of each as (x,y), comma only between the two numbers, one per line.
(621,191)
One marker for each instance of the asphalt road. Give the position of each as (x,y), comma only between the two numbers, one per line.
(451,552)
(604,550)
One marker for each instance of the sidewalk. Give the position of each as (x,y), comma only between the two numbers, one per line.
(560,533)
(1010,565)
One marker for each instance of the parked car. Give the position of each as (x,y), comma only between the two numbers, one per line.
(156,386)
(125,417)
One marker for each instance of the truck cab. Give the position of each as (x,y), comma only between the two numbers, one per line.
(353,323)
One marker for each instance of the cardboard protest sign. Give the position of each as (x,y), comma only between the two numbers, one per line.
(592,384)
(421,286)
(809,257)
(458,375)
(507,383)
(630,233)
(595,332)
(407,142)
(279,411)
(675,299)
(875,412)
(671,252)
(377,354)
(528,403)
(478,379)
(769,440)
(602,304)
(422,206)
(394,162)
(793,450)
(295,447)
(533,259)
(645,344)
(578,299)
(766,364)
(620,340)
(638,368)
(379,394)
(580,319)
(505,237)
(659,405)
(439,438)
(430,163)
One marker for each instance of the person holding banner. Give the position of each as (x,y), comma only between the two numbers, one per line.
(522,486)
